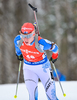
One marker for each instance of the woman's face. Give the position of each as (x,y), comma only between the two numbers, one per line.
(29,40)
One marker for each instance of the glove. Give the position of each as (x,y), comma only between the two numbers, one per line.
(53,60)
(54,57)
(20,57)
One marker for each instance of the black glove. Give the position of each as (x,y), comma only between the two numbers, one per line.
(53,60)
(20,57)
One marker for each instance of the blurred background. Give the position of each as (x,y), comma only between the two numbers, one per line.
(57,20)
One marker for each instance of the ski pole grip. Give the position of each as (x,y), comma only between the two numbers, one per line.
(35,9)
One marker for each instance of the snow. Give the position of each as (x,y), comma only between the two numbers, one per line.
(7,91)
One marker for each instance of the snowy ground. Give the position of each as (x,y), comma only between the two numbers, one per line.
(7,91)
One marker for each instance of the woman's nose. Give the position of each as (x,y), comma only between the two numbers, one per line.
(26,39)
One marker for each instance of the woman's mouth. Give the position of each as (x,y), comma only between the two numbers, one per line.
(26,42)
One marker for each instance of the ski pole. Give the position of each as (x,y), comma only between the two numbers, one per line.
(58,79)
(15,96)
(35,11)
